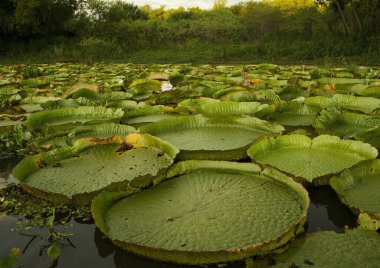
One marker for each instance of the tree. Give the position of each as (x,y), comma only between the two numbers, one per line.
(219,4)
(43,17)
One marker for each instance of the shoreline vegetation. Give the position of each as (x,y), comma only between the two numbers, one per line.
(327,33)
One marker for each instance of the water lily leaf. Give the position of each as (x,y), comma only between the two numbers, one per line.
(291,92)
(211,137)
(310,158)
(263,96)
(39,99)
(148,114)
(324,249)
(372,91)
(358,187)
(201,214)
(8,90)
(74,88)
(294,114)
(370,136)
(348,124)
(144,86)
(350,88)
(158,76)
(73,115)
(363,104)
(100,131)
(340,80)
(194,105)
(232,108)
(74,174)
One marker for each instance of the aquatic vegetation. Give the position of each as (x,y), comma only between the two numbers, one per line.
(310,158)
(324,249)
(241,209)
(117,133)
(75,174)
(358,187)
(211,137)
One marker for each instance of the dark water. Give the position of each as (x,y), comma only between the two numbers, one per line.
(89,248)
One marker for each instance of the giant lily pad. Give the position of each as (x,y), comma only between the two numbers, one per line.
(363,104)
(310,158)
(232,108)
(358,187)
(100,131)
(201,137)
(73,115)
(348,124)
(370,136)
(206,212)
(148,114)
(74,174)
(354,248)
(294,114)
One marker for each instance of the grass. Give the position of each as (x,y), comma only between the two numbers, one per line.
(275,51)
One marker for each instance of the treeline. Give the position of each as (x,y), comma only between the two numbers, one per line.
(277,30)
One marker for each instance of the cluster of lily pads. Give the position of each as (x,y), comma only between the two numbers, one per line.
(203,164)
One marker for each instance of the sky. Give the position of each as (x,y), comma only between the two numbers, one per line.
(204,4)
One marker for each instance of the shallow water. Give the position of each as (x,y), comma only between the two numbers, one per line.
(89,248)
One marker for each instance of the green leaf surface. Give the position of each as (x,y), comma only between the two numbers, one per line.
(354,248)
(349,124)
(53,252)
(73,115)
(205,215)
(310,158)
(211,134)
(359,187)
(87,167)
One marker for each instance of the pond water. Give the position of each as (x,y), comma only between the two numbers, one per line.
(88,247)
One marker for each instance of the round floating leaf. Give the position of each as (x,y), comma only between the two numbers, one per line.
(144,86)
(334,120)
(79,86)
(354,248)
(372,91)
(100,131)
(337,80)
(220,138)
(206,212)
(359,188)
(232,108)
(363,104)
(148,114)
(195,105)
(310,158)
(76,173)
(370,136)
(38,99)
(294,114)
(73,115)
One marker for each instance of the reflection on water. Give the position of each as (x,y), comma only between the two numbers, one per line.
(6,166)
(327,212)
(90,248)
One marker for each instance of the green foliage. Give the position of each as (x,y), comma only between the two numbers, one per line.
(14,141)
(47,30)
(204,199)
(53,252)
(9,261)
